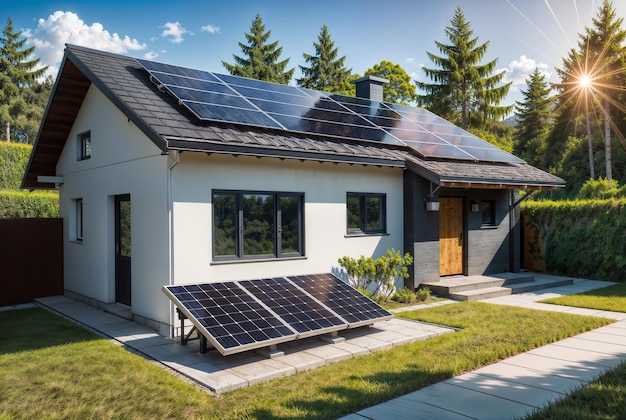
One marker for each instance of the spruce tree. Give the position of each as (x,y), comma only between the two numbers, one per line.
(464,91)
(261,58)
(534,114)
(326,72)
(17,73)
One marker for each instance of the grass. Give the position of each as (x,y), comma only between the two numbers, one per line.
(604,398)
(611,298)
(54,369)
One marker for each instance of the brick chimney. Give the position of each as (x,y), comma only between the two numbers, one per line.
(370,87)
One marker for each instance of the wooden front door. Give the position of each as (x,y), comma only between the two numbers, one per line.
(450,236)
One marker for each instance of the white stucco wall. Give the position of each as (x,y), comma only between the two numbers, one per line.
(324,185)
(123,161)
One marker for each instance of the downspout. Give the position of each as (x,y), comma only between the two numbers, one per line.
(170,208)
(512,206)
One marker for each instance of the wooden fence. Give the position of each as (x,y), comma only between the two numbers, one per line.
(31,259)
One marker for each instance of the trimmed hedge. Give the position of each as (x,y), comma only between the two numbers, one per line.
(22,204)
(582,238)
(13,161)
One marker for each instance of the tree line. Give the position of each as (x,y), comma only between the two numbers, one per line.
(568,129)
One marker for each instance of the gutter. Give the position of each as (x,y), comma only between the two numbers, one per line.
(170,216)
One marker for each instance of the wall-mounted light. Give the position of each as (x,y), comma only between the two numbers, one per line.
(475,206)
(431,205)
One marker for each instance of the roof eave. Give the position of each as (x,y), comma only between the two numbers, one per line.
(209,147)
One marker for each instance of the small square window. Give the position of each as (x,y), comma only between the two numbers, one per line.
(488,209)
(366,213)
(84,145)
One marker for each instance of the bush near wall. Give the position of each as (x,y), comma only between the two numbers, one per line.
(583,238)
(23,204)
(13,161)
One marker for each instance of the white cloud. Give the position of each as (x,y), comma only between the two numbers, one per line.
(51,35)
(151,55)
(174,30)
(212,29)
(519,70)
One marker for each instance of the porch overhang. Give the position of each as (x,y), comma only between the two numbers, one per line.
(483,175)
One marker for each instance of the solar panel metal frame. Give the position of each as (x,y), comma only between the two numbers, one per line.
(416,120)
(210,337)
(306,282)
(289,285)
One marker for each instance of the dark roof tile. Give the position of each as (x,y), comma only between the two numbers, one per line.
(170,125)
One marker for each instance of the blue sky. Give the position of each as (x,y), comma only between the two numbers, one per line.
(522,34)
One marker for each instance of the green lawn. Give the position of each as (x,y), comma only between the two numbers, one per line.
(51,368)
(611,298)
(604,398)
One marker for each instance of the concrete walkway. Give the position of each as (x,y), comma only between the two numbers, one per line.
(518,385)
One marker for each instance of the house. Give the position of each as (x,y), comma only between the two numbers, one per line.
(162,182)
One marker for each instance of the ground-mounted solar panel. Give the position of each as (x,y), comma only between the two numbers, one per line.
(225,98)
(342,299)
(236,316)
(302,312)
(230,319)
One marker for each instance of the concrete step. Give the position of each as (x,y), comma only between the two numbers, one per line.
(451,285)
(490,292)
(493,285)
(480,294)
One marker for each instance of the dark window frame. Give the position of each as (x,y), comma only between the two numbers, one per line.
(240,234)
(78,214)
(363,228)
(84,145)
(488,213)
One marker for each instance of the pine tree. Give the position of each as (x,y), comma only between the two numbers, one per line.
(534,114)
(600,59)
(464,91)
(261,59)
(606,40)
(326,71)
(17,73)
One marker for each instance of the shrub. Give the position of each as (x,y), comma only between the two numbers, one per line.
(381,272)
(582,238)
(13,160)
(600,189)
(17,204)
(422,294)
(404,295)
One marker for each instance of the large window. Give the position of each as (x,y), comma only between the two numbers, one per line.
(257,225)
(366,213)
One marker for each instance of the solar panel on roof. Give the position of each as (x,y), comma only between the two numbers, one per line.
(249,314)
(343,299)
(232,99)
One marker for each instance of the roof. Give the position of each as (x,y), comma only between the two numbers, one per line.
(172,127)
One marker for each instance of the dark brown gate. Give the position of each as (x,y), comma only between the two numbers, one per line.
(31,259)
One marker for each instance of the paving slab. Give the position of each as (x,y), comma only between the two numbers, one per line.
(531,377)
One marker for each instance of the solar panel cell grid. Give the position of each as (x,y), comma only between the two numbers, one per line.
(307,111)
(347,302)
(295,307)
